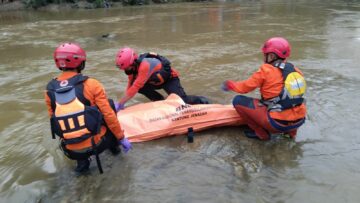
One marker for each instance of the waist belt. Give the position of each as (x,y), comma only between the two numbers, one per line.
(288,122)
(285,126)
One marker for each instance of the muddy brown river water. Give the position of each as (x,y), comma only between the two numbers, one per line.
(207,43)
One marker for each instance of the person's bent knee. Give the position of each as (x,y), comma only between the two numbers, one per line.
(244,101)
(192,99)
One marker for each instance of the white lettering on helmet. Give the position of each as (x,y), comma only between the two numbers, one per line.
(61,56)
(78,56)
(62,63)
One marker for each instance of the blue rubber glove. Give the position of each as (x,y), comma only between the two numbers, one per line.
(228,85)
(119,107)
(225,87)
(126,145)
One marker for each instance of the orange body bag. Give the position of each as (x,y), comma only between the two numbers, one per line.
(153,120)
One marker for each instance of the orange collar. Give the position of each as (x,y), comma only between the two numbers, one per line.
(66,75)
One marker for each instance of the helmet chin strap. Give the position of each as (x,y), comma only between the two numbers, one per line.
(133,69)
(275,61)
(81,67)
(130,71)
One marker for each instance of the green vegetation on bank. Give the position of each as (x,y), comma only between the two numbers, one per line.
(40,3)
(35,4)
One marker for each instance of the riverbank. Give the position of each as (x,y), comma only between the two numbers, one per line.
(42,5)
(8,5)
(12,6)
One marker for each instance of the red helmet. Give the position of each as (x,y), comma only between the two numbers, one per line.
(69,55)
(125,57)
(277,45)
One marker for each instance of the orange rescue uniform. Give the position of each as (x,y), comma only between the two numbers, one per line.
(144,72)
(270,81)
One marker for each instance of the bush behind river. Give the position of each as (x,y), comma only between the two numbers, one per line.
(85,4)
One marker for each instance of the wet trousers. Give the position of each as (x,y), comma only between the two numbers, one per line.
(108,141)
(256,116)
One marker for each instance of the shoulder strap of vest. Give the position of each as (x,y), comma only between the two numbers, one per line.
(77,79)
(76,82)
(288,103)
(54,84)
(141,57)
(79,88)
(286,69)
(51,86)
(278,102)
(289,68)
(138,61)
(164,61)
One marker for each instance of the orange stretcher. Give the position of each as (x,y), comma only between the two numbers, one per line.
(153,120)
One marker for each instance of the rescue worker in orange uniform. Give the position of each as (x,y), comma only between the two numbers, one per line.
(281,108)
(148,73)
(80,112)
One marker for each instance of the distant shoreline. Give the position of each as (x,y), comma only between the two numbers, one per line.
(17,5)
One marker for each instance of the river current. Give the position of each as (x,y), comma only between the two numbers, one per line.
(207,43)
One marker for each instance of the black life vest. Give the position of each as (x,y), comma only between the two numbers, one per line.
(293,91)
(158,77)
(74,120)
(166,64)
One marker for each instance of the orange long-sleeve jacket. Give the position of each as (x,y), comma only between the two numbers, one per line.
(270,81)
(95,93)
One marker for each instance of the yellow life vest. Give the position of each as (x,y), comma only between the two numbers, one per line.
(293,92)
